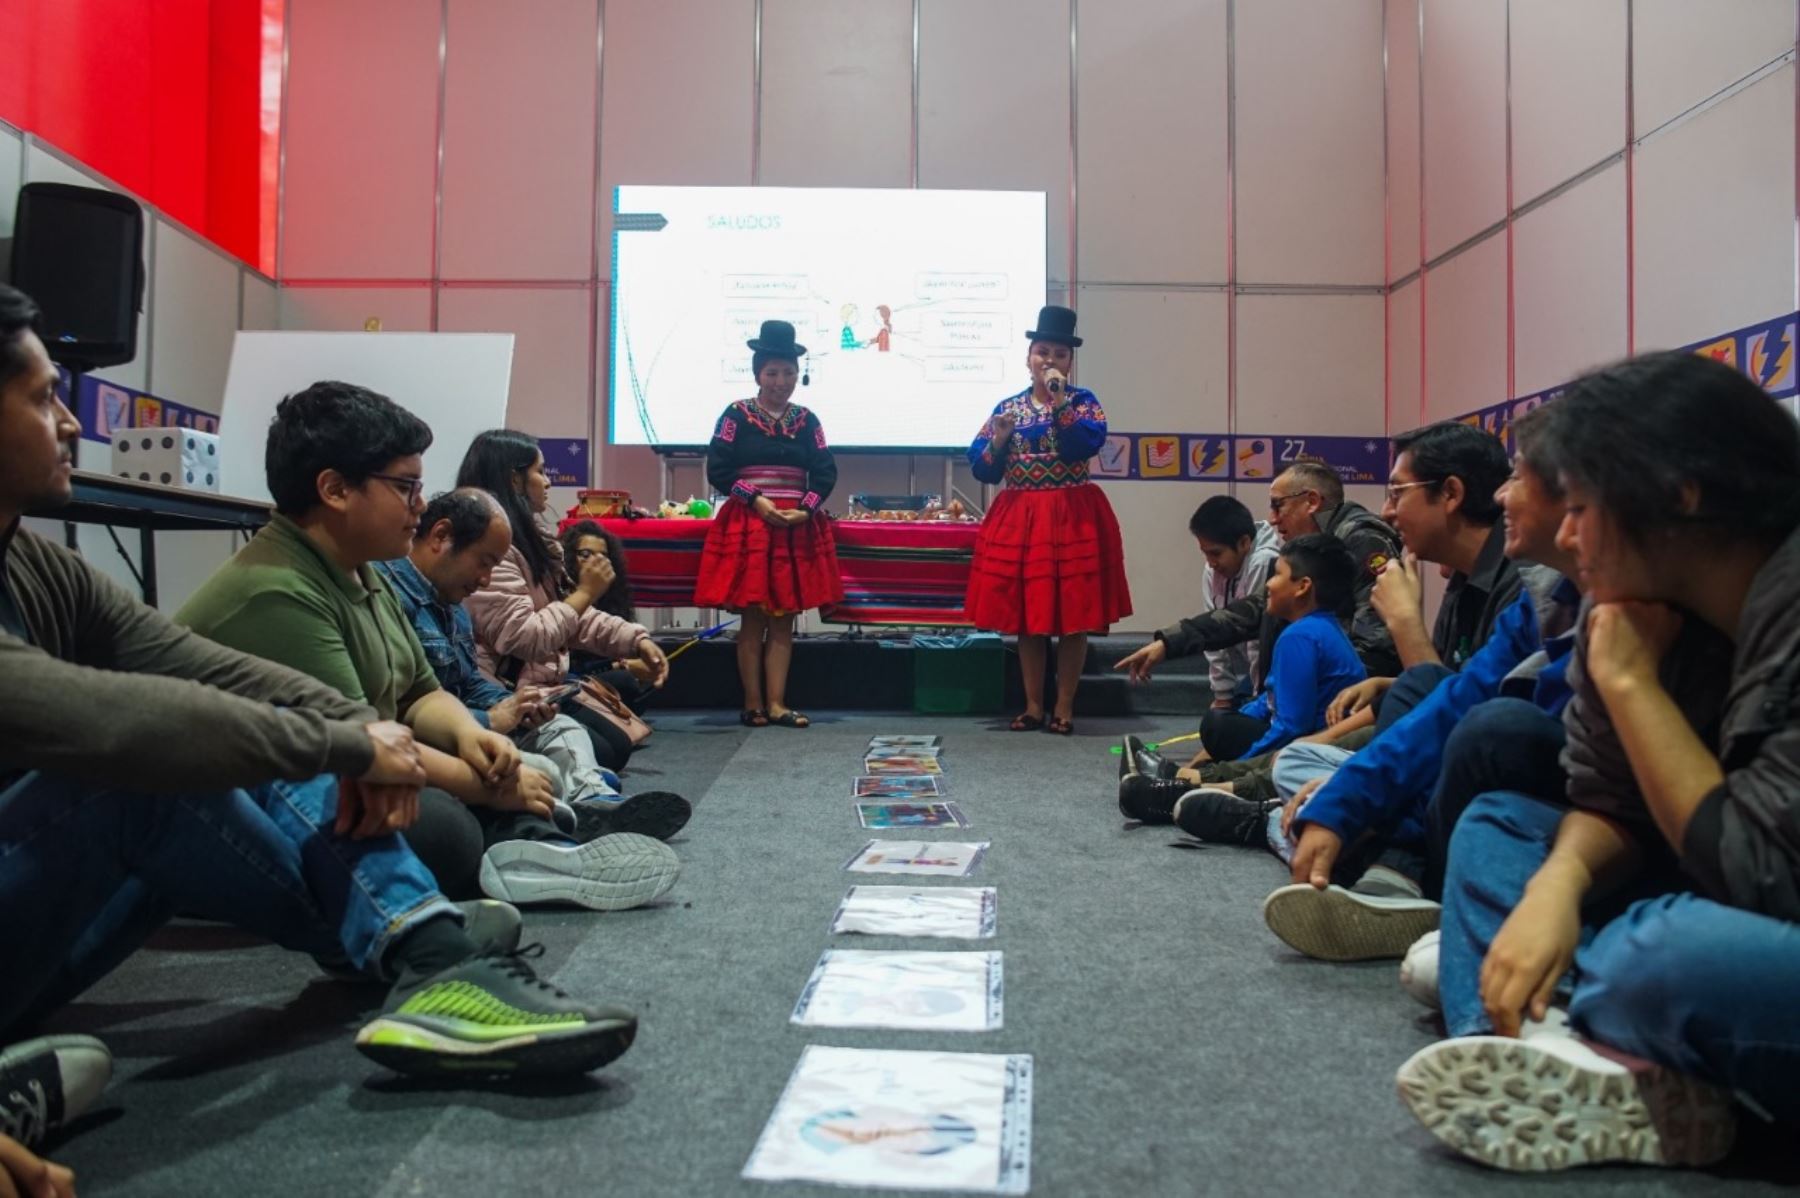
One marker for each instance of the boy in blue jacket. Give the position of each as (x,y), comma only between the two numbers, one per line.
(1312,584)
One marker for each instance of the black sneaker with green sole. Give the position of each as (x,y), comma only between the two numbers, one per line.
(493,1016)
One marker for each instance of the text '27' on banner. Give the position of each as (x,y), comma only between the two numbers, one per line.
(1206,457)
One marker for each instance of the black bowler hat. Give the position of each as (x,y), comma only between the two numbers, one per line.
(1055,324)
(777,340)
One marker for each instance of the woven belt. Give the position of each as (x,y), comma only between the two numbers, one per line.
(777,482)
(1044,472)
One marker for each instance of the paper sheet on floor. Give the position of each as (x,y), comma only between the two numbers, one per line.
(897,786)
(947,992)
(902,765)
(906,742)
(951,912)
(880,816)
(943,859)
(901,1120)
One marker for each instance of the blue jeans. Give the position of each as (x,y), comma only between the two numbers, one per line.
(1676,979)
(88,873)
(1703,988)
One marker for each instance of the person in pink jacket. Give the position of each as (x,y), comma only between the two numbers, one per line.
(527,618)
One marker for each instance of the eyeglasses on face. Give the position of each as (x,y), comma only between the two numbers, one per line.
(1395,490)
(1277,502)
(409,488)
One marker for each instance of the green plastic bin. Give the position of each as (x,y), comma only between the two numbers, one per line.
(959,675)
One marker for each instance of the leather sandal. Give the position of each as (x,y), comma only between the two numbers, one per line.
(1026,723)
(791,719)
(1061,726)
(753,717)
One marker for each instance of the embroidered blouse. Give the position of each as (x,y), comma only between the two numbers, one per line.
(750,449)
(1047,449)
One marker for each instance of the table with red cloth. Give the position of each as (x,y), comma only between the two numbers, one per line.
(895,572)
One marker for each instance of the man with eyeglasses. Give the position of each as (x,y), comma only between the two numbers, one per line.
(344,467)
(146,771)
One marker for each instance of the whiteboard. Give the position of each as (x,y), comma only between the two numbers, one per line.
(455,382)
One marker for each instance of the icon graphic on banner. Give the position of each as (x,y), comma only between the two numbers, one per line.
(1771,354)
(1159,457)
(149,412)
(1531,403)
(1254,457)
(1208,457)
(114,410)
(1723,350)
(1114,458)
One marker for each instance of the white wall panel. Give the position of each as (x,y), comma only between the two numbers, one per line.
(1465,120)
(1403,358)
(1310,364)
(676,103)
(1715,218)
(519,140)
(262,304)
(549,392)
(1465,332)
(837,93)
(1687,50)
(633,468)
(41,166)
(347,309)
(994,102)
(1568,89)
(1569,283)
(195,296)
(1403,137)
(1156,359)
(1309,171)
(1150,72)
(1162,564)
(360,139)
(12,176)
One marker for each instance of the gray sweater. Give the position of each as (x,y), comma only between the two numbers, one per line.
(105,689)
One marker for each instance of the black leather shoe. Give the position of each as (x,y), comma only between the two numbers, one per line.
(1220,817)
(1149,800)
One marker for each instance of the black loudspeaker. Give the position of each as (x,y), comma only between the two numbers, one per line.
(79,252)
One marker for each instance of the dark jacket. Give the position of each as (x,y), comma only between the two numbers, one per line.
(1370,541)
(1742,843)
(1474,601)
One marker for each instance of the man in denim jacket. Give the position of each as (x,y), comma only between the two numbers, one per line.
(462,535)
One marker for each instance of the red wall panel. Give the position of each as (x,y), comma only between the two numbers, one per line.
(165,97)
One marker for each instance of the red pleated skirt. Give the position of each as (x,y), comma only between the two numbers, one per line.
(748,562)
(1048,563)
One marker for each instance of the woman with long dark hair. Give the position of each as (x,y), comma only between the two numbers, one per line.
(588,541)
(1619,960)
(529,616)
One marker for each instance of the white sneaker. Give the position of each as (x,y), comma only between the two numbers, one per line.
(1335,925)
(1553,1102)
(611,873)
(1419,971)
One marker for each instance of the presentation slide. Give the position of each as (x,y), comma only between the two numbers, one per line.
(914,306)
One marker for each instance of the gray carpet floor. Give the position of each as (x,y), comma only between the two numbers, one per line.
(1179,1048)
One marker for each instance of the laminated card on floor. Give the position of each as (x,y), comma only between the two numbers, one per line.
(900,1120)
(943,859)
(902,765)
(880,816)
(905,742)
(950,912)
(898,786)
(925,992)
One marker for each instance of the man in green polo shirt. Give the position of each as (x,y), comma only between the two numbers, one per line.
(344,466)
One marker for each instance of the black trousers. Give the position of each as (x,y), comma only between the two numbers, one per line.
(450,837)
(612,748)
(1501,745)
(1228,735)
